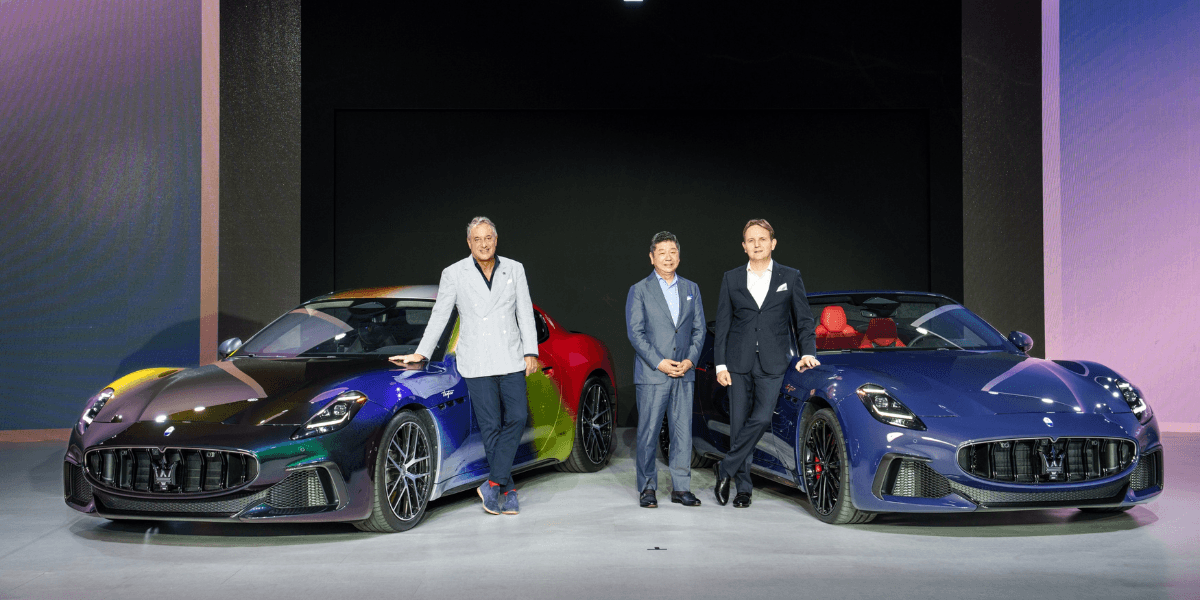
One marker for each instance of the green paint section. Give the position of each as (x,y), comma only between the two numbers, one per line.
(545,405)
(137,378)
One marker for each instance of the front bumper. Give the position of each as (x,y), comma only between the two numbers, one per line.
(941,485)
(319,479)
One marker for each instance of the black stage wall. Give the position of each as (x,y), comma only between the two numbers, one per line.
(868,102)
(260,164)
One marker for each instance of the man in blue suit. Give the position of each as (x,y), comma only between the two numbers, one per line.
(664,319)
(762,305)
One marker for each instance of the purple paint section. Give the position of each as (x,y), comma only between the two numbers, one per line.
(99,198)
(1129,216)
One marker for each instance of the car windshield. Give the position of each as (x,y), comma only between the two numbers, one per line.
(344,327)
(870,322)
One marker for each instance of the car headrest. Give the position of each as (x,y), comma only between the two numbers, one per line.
(881,329)
(833,318)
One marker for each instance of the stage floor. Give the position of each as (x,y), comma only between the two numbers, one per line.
(584,536)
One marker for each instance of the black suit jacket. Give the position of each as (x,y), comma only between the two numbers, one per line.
(743,327)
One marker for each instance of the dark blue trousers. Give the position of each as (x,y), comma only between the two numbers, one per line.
(752,399)
(501,409)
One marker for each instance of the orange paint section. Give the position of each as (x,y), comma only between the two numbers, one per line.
(401,291)
(139,377)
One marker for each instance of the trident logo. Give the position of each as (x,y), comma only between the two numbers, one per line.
(164,474)
(1052,465)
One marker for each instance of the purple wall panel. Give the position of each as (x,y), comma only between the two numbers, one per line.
(1128,215)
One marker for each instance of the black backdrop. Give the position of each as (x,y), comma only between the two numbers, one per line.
(584,127)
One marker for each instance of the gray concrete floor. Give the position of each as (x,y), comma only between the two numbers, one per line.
(583,536)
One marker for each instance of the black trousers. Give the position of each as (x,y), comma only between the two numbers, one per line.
(752,398)
(501,408)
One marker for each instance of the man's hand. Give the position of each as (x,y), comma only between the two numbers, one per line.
(683,368)
(531,365)
(724,379)
(403,359)
(668,366)
(806,363)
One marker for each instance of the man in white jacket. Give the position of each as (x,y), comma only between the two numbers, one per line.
(497,349)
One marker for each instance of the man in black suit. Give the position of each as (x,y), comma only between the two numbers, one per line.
(758,307)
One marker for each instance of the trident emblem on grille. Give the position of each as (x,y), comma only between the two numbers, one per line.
(164,474)
(1052,465)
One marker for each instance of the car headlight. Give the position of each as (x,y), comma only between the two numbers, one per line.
(1130,394)
(94,404)
(887,409)
(334,416)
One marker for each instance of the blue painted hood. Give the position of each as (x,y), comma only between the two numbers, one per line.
(965,383)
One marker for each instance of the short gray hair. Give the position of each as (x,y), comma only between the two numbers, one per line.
(479,220)
(663,236)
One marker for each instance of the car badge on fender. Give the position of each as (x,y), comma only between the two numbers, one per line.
(169,430)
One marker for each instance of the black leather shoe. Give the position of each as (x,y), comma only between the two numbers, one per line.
(742,500)
(648,499)
(685,498)
(721,491)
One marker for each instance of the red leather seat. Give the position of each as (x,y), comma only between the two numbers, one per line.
(833,333)
(881,333)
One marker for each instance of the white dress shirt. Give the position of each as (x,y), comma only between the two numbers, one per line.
(758,285)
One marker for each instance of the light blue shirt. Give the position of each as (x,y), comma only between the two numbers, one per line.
(671,293)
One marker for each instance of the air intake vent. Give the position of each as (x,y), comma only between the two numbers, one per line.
(298,493)
(1041,460)
(915,479)
(75,485)
(170,471)
(1148,473)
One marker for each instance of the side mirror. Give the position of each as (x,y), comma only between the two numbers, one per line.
(1022,341)
(228,347)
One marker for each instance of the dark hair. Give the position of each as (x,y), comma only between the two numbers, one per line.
(761,223)
(663,236)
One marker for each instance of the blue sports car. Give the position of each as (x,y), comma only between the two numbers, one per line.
(921,406)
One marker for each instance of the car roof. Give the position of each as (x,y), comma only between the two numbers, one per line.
(414,292)
(817,295)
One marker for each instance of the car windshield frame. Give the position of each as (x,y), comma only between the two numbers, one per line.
(348,328)
(931,322)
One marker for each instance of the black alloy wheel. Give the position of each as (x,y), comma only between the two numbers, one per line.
(404,474)
(593,429)
(698,461)
(825,472)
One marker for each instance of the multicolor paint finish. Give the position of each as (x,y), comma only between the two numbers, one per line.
(160,421)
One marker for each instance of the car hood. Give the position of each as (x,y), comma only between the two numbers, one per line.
(962,383)
(245,391)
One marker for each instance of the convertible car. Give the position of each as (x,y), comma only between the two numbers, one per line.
(308,421)
(921,406)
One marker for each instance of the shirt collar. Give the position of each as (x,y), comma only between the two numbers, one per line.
(770,267)
(662,281)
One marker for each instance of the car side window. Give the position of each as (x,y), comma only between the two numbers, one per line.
(439,353)
(543,332)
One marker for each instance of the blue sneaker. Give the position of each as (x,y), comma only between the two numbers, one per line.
(490,494)
(510,503)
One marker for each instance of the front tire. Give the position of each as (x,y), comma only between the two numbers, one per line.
(825,472)
(404,474)
(593,429)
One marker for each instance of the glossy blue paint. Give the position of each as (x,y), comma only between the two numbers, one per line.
(961,396)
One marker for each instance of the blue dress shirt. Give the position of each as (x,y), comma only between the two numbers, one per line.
(671,294)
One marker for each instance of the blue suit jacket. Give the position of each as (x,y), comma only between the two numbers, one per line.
(654,336)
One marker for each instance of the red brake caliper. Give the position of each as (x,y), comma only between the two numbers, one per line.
(819,469)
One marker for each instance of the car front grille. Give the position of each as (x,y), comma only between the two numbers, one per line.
(1046,461)
(299,492)
(75,485)
(1149,472)
(170,471)
(916,479)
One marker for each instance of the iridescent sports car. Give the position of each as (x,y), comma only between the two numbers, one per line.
(921,406)
(308,421)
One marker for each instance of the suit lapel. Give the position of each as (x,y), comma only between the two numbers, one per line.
(684,304)
(656,296)
(500,276)
(776,281)
(739,285)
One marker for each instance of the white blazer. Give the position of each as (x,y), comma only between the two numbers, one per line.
(496,326)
